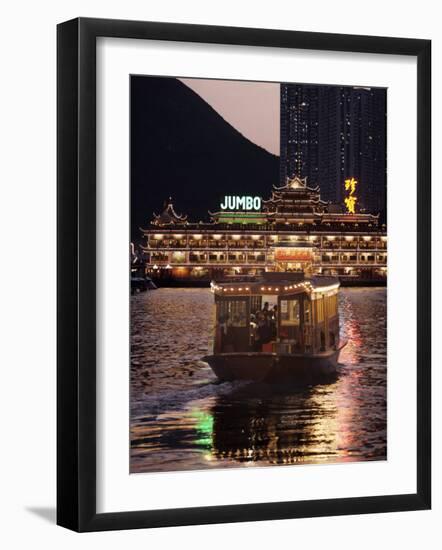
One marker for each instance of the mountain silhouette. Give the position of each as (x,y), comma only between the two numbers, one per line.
(182,148)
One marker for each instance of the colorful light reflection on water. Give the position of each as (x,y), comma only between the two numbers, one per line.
(181,419)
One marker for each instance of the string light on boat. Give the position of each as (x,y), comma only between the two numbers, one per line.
(304,285)
(214,287)
(326,288)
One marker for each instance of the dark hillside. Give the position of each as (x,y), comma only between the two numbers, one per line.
(181,147)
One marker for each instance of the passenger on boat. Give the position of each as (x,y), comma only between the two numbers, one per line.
(228,340)
(265,310)
(264,330)
(274,321)
(253,330)
(223,320)
(256,332)
(221,330)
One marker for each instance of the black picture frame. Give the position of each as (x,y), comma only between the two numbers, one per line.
(76,274)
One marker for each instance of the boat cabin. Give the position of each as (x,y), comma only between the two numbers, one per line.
(283,313)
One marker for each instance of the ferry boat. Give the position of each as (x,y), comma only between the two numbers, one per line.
(282,327)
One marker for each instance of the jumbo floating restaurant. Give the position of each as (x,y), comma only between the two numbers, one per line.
(294,230)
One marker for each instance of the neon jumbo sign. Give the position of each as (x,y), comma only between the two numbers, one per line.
(232,202)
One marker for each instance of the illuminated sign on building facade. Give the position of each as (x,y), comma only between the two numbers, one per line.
(351,199)
(232,202)
(293,255)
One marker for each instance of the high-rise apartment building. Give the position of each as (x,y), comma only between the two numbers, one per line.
(332,133)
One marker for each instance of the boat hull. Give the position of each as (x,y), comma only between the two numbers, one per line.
(271,367)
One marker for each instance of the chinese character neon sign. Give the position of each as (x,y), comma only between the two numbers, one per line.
(351,199)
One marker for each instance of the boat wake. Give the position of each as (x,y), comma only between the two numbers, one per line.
(179,400)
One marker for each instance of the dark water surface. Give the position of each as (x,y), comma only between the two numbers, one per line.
(182,419)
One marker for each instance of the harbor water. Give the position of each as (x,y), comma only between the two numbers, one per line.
(181,418)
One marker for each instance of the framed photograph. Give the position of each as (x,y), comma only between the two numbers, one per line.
(243,274)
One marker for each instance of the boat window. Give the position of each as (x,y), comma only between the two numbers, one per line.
(332,306)
(320,310)
(289,312)
(255,304)
(233,313)
(307,312)
(178,256)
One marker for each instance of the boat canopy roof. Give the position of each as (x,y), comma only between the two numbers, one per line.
(278,283)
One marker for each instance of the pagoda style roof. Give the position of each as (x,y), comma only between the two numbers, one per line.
(252,213)
(295,190)
(296,183)
(242,217)
(277,198)
(290,206)
(359,216)
(168,216)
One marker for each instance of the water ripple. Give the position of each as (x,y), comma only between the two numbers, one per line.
(182,419)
